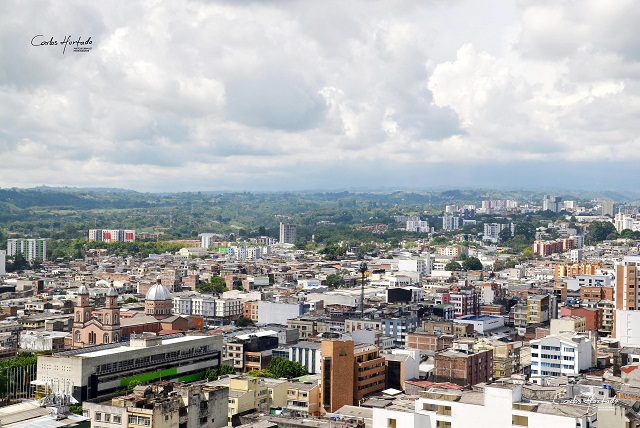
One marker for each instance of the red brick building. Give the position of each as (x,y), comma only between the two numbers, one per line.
(593,316)
(463,367)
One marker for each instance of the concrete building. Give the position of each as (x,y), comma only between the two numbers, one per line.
(558,355)
(3,262)
(163,405)
(417,226)
(607,208)
(303,398)
(498,406)
(31,249)
(482,323)
(279,313)
(429,341)
(416,264)
(349,373)
(463,366)
(101,370)
(568,323)
(308,354)
(626,294)
(398,328)
(287,233)
(112,235)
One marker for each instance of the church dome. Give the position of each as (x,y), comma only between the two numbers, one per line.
(112,292)
(158,292)
(83,290)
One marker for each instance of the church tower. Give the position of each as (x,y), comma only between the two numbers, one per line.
(81,315)
(111,318)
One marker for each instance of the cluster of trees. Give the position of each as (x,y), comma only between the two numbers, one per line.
(213,374)
(279,367)
(468,263)
(10,370)
(215,285)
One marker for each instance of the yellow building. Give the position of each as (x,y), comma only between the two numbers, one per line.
(248,394)
(506,356)
(304,398)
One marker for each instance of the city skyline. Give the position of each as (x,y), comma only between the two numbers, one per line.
(291,95)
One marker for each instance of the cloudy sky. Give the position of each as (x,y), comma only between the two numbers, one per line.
(298,95)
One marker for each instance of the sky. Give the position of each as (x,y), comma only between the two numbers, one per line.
(189,95)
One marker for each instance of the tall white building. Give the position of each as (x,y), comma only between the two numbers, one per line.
(492,231)
(3,262)
(31,249)
(207,239)
(417,226)
(287,233)
(450,222)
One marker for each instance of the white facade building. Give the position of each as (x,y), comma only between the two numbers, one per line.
(450,222)
(627,327)
(417,226)
(287,233)
(560,355)
(498,406)
(31,249)
(416,264)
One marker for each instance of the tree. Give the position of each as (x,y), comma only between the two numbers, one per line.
(244,322)
(439,240)
(453,265)
(226,370)
(76,409)
(334,280)
(599,231)
(211,374)
(472,263)
(261,373)
(526,229)
(283,368)
(131,300)
(505,234)
(216,284)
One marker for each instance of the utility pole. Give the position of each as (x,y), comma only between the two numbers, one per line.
(362,269)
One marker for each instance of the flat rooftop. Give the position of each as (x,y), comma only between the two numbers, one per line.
(100,351)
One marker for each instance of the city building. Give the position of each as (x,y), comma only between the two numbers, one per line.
(463,365)
(287,233)
(90,330)
(627,294)
(560,355)
(303,398)
(499,406)
(349,373)
(492,231)
(31,249)
(165,404)
(417,226)
(450,222)
(607,208)
(112,235)
(100,370)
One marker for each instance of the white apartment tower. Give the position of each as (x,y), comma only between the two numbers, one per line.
(31,249)
(287,233)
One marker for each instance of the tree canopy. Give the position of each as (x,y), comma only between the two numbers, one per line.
(472,263)
(280,367)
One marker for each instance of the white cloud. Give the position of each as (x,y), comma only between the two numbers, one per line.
(296,94)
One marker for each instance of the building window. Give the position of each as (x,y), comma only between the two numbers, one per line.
(117,419)
(97,416)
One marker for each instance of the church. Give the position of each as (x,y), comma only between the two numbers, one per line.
(106,325)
